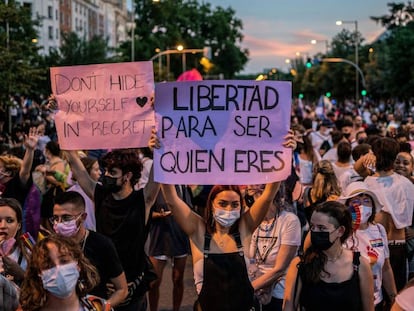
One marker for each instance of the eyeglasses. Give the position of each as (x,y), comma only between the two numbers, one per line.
(64,218)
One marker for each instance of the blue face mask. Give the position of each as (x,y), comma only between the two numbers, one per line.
(61,280)
(226,218)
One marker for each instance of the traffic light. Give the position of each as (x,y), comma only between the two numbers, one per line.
(328,94)
(308,63)
(300,95)
(364,92)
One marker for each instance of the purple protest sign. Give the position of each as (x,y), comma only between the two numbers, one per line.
(104,106)
(222,132)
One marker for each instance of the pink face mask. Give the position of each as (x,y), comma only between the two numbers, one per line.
(66,229)
(7,246)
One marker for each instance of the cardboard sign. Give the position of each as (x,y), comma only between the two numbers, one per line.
(104,106)
(222,132)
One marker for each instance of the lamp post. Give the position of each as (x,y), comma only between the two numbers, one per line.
(318,41)
(133,32)
(356,54)
(178,50)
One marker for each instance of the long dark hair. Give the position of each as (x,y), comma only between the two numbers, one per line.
(16,207)
(209,218)
(313,261)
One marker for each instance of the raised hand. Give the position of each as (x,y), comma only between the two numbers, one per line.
(31,139)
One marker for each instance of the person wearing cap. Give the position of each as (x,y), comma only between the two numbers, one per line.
(322,137)
(370,238)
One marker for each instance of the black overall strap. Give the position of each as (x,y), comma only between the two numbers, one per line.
(355,260)
(236,237)
(207,240)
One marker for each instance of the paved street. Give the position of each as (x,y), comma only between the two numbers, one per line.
(189,289)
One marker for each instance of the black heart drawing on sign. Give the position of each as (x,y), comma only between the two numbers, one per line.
(141,101)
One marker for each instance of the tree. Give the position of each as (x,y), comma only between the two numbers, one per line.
(77,51)
(168,23)
(20,69)
(400,15)
(337,78)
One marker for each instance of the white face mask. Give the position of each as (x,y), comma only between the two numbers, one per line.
(61,280)
(366,212)
(226,218)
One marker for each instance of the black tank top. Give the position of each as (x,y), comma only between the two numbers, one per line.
(226,285)
(344,296)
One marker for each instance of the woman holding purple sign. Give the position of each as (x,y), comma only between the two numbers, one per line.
(220,240)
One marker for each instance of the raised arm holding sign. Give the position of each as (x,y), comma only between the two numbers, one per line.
(225,132)
(222,132)
(218,240)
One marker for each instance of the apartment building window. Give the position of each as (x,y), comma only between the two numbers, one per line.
(50,28)
(50,12)
(57,14)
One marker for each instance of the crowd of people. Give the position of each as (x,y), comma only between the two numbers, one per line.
(92,230)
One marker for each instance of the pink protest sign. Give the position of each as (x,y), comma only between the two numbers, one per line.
(104,106)
(222,132)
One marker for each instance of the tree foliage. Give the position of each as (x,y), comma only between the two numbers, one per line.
(19,60)
(166,24)
(400,15)
(77,51)
(393,61)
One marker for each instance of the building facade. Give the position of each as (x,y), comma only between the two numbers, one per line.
(86,18)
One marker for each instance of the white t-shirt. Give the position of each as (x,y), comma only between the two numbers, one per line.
(286,231)
(396,193)
(340,170)
(331,155)
(318,138)
(146,169)
(372,243)
(348,177)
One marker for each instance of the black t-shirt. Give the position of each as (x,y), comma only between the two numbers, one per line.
(102,254)
(123,221)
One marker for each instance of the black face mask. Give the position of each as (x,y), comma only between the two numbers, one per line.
(347,135)
(320,240)
(109,184)
(249,199)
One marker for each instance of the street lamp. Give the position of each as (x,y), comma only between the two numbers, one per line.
(356,54)
(133,32)
(318,41)
(180,48)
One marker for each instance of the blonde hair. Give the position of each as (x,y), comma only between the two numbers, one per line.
(11,163)
(325,184)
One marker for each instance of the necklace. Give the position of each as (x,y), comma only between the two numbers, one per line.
(265,244)
(220,240)
(268,227)
(334,259)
